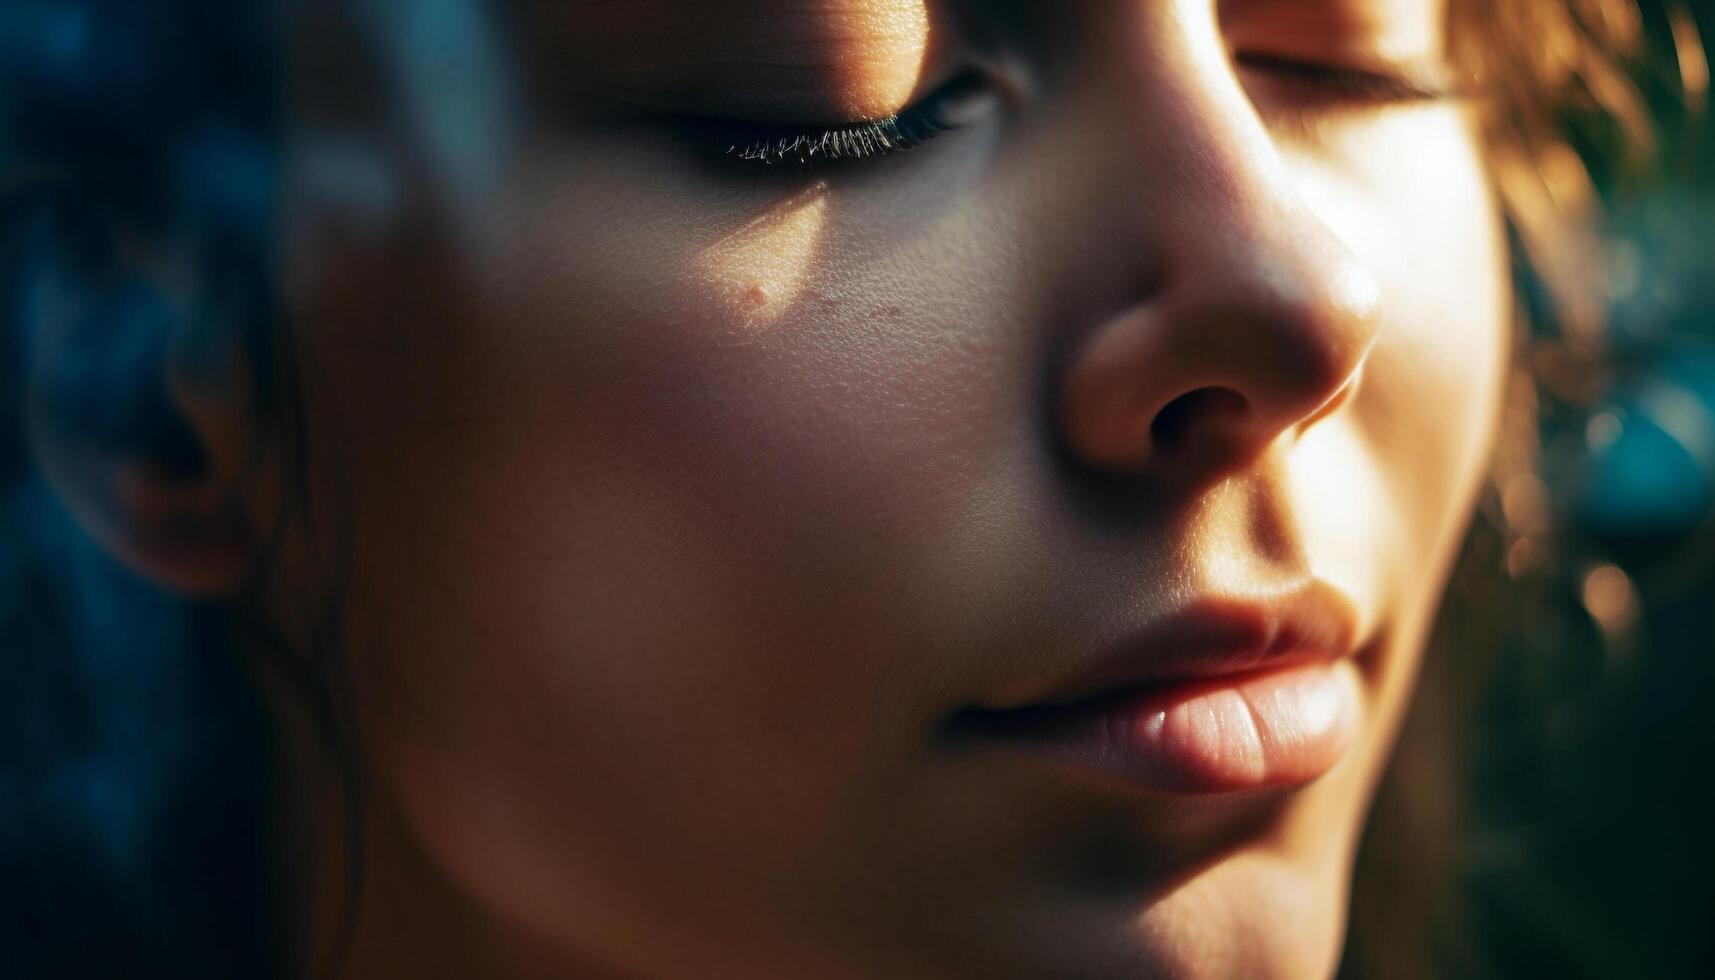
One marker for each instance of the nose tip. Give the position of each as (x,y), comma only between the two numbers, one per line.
(1219,364)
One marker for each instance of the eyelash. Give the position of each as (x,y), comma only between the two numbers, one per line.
(749,143)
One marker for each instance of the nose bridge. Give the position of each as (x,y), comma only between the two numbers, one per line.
(1243,314)
(1176,129)
(1202,189)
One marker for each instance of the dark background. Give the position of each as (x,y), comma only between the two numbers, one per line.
(1591,851)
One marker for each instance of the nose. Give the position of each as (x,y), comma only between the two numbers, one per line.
(1257,340)
(1255,325)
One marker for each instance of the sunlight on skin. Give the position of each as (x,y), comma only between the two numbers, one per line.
(882,85)
(759,269)
(1330,494)
(1231,515)
(1408,31)
(837,60)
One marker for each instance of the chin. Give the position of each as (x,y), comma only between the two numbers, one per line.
(1254,916)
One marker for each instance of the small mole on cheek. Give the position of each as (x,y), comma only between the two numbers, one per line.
(756,295)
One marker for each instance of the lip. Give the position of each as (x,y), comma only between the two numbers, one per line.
(1227,694)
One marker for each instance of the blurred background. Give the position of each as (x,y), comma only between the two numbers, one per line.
(1576,814)
(1579,685)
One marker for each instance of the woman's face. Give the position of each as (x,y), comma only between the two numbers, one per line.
(1003,557)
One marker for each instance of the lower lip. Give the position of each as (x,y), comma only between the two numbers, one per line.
(1284,727)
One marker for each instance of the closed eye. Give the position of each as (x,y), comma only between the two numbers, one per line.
(1352,83)
(806,146)
(798,148)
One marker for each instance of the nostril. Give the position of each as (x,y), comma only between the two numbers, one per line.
(1193,410)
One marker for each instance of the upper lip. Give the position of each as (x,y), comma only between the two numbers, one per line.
(1210,637)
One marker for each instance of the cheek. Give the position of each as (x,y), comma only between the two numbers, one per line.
(1425,220)
(626,479)
(1446,371)
(655,497)
(786,385)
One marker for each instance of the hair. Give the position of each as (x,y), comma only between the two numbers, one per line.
(135,129)
(1563,117)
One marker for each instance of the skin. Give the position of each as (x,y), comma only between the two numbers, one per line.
(678,505)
